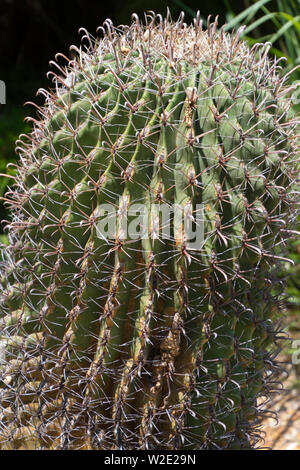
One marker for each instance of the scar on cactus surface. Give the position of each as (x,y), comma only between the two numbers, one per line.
(149,342)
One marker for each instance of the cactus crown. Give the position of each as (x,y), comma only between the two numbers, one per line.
(148,342)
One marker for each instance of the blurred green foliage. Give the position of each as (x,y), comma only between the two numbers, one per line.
(11,126)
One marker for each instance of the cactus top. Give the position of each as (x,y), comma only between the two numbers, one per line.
(173,41)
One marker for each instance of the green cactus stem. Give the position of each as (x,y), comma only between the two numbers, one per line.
(148,342)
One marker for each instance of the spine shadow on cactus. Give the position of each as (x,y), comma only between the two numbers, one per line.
(144,343)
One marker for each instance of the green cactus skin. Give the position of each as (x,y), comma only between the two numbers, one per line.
(143,343)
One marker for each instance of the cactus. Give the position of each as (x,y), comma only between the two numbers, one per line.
(148,342)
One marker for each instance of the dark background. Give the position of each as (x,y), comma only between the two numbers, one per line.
(33,31)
